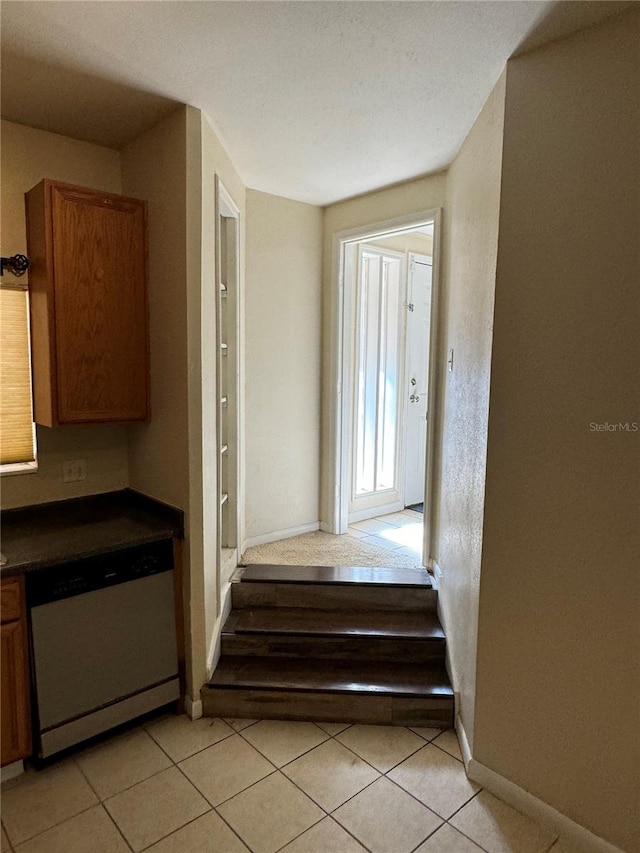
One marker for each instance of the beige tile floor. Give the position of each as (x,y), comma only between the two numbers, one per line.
(400,532)
(233,786)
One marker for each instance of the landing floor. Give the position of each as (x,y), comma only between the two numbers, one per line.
(390,540)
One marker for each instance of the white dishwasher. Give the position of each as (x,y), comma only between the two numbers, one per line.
(103,643)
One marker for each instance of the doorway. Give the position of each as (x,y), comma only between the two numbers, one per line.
(384,360)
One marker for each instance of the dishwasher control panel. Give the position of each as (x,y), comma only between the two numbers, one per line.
(90,573)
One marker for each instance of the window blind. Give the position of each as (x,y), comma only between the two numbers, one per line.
(16,415)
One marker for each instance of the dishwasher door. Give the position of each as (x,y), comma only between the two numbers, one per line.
(103,657)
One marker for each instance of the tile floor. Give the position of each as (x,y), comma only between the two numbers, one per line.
(400,532)
(233,786)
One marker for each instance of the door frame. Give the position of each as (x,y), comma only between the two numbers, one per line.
(342,309)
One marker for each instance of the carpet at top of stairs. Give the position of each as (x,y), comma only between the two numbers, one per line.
(326,549)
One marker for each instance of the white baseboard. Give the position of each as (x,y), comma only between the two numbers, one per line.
(193,708)
(375,511)
(436,576)
(530,805)
(277,535)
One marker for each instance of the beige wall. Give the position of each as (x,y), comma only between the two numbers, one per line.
(283,304)
(558,686)
(29,155)
(411,197)
(470,249)
(426,193)
(153,168)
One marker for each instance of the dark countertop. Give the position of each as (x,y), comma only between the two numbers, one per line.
(50,534)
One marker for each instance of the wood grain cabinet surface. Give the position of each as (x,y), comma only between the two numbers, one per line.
(88,297)
(16,734)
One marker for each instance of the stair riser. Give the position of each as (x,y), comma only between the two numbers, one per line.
(331,648)
(327,707)
(332,597)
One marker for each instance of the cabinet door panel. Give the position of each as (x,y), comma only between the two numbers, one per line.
(11,601)
(100,306)
(15,701)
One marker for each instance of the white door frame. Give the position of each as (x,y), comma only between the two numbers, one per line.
(342,312)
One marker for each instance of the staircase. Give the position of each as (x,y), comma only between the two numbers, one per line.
(346,644)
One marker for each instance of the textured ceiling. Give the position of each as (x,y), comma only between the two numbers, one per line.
(316,101)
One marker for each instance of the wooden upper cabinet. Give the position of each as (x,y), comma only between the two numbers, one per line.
(88,295)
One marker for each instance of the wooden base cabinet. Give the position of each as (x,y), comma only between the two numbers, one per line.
(88,296)
(16,734)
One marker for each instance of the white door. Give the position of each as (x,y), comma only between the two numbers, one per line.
(417,384)
(376,471)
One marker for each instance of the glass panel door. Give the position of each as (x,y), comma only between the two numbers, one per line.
(378,365)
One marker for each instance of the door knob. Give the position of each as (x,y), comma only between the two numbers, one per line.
(414,398)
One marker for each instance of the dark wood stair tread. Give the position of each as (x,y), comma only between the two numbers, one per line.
(361,575)
(315,675)
(335,623)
